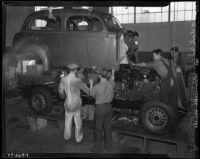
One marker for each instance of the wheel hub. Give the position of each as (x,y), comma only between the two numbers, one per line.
(38,102)
(156,118)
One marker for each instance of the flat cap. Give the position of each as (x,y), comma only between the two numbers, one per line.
(72,66)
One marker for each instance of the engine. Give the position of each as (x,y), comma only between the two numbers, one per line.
(137,83)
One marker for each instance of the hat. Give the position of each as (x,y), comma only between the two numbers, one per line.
(175,48)
(72,66)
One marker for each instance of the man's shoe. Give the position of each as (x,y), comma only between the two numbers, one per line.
(81,141)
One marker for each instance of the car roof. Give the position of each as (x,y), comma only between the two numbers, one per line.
(66,11)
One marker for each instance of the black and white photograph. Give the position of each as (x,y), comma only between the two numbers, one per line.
(91,79)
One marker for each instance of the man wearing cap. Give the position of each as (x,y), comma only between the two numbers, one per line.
(178,60)
(164,68)
(71,86)
(103,93)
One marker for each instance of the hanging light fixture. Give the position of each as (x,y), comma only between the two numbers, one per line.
(51,16)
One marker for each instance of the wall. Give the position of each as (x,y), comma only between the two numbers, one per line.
(15,16)
(163,35)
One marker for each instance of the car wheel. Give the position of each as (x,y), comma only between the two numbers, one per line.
(157,117)
(40,100)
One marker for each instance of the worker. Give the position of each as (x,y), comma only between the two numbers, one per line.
(103,93)
(164,68)
(178,60)
(70,86)
(124,64)
(80,74)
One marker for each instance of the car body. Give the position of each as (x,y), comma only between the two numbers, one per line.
(88,38)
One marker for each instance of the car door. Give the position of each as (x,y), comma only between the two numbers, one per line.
(48,32)
(87,42)
(73,42)
(102,44)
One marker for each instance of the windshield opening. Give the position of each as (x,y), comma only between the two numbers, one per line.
(112,23)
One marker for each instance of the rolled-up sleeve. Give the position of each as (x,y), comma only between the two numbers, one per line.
(93,92)
(61,88)
(112,83)
(83,87)
(151,64)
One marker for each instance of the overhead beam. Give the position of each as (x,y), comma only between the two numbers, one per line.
(88,3)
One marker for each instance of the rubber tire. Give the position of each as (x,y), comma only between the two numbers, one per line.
(44,92)
(171,113)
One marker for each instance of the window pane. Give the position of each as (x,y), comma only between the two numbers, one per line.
(172,6)
(119,17)
(131,18)
(188,5)
(151,9)
(119,10)
(194,15)
(138,9)
(138,18)
(181,5)
(114,10)
(145,18)
(125,18)
(164,17)
(152,17)
(165,9)
(172,16)
(125,11)
(188,15)
(158,17)
(131,9)
(180,16)
(194,5)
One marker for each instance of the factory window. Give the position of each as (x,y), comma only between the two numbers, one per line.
(123,14)
(178,11)
(152,14)
(182,11)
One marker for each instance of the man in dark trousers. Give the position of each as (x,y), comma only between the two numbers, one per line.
(164,68)
(103,93)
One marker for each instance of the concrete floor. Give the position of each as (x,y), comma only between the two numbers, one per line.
(20,139)
(50,139)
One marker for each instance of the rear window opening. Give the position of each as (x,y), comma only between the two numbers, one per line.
(44,23)
(84,23)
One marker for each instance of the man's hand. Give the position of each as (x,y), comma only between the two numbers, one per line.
(142,64)
(132,64)
(91,81)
